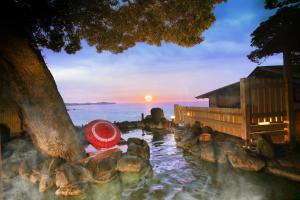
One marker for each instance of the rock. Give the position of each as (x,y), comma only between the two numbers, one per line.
(122,142)
(70,190)
(47,174)
(19,145)
(157,114)
(264,148)
(207,129)
(195,150)
(138,147)
(196,128)
(187,141)
(134,140)
(103,171)
(24,170)
(178,135)
(130,164)
(132,178)
(246,162)
(289,173)
(292,161)
(35,177)
(61,178)
(47,181)
(207,152)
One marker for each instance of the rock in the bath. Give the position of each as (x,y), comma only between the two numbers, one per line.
(103,171)
(207,129)
(188,141)
(241,160)
(70,190)
(264,148)
(292,161)
(207,152)
(130,164)
(24,170)
(47,174)
(157,114)
(138,147)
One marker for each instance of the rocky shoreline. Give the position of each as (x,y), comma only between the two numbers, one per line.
(227,150)
(53,175)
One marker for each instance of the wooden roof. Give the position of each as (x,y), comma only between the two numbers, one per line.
(275,71)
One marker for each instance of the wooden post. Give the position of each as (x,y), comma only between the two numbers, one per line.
(245,108)
(289,97)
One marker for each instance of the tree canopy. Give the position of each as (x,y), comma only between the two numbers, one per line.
(279,33)
(113,25)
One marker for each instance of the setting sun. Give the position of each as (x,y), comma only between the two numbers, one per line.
(148,98)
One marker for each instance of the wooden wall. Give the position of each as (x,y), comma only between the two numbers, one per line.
(221,101)
(226,120)
(9,116)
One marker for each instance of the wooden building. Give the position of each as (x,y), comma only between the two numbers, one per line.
(9,113)
(254,105)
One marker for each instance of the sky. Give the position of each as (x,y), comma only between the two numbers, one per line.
(169,73)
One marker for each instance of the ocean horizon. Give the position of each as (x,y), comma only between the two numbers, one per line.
(83,114)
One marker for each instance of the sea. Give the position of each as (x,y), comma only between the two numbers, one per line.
(83,114)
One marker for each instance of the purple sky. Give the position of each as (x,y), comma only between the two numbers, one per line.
(170,72)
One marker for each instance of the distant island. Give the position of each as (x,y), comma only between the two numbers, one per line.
(88,103)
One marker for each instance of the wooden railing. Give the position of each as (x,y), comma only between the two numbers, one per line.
(261,100)
(226,120)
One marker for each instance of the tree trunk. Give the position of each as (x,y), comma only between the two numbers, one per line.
(289,96)
(33,89)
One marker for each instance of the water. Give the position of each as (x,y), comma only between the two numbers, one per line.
(179,175)
(121,112)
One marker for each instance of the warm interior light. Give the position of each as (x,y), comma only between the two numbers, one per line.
(263,123)
(172,117)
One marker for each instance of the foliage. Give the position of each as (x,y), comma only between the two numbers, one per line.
(279,33)
(112,25)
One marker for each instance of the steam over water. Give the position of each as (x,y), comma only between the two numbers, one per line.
(179,175)
(176,174)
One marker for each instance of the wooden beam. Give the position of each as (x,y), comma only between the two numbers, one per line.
(271,127)
(245,108)
(269,132)
(289,97)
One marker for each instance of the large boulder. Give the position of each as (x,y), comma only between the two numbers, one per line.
(71,190)
(138,147)
(69,173)
(264,148)
(47,180)
(207,152)
(187,141)
(157,114)
(130,164)
(242,160)
(103,171)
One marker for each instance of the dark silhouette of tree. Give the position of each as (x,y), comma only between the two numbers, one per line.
(280,34)
(112,25)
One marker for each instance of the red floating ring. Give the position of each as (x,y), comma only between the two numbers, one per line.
(102,134)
